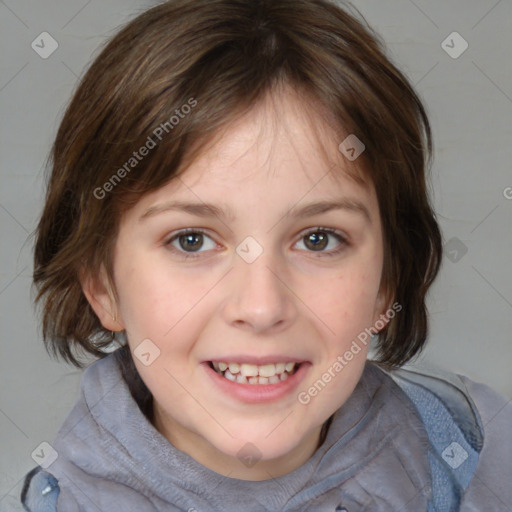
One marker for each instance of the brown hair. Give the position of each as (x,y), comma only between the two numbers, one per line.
(217,58)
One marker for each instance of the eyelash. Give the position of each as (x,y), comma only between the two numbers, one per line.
(193,255)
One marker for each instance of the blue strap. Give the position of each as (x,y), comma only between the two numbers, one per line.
(454,430)
(40,491)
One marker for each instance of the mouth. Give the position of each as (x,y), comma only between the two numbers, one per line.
(251,383)
(252,374)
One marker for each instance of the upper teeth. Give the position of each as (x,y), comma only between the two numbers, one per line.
(252,370)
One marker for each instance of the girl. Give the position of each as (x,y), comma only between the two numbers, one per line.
(237,205)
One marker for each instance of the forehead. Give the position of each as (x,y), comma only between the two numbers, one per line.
(283,150)
(286,128)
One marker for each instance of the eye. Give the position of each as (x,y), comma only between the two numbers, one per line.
(189,241)
(318,239)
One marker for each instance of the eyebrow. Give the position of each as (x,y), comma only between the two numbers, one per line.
(211,210)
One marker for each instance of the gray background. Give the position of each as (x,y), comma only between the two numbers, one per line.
(469,100)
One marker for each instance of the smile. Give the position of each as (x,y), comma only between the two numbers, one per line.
(245,373)
(257,383)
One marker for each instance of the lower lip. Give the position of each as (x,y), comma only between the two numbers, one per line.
(258,393)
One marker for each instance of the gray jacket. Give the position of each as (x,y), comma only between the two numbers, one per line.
(404,441)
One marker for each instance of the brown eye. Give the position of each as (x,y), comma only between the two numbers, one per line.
(316,241)
(191,241)
(320,239)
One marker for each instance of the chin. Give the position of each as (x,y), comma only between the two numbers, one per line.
(262,444)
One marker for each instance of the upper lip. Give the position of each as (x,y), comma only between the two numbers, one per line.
(258,360)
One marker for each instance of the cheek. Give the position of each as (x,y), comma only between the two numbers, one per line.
(145,297)
(160,302)
(348,298)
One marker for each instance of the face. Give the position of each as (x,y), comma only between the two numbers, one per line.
(231,265)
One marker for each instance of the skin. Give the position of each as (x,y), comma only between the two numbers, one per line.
(291,300)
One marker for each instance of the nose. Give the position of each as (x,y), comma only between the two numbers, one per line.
(260,298)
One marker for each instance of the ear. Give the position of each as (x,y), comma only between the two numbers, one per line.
(99,294)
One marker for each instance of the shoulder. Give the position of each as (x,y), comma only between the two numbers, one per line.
(474,407)
(491,489)
(443,398)
(451,419)
(470,427)
(40,491)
